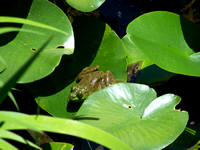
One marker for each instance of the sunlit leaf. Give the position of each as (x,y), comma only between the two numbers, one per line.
(48,20)
(168,40)
(85,5)
(134,114)
(5,134)
(16,121)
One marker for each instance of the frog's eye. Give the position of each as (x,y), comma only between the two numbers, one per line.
(136,67)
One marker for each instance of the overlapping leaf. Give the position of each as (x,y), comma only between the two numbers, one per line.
(47,20)
(168,40)
(96,45)
(16,121)
(85,5)
(132,113)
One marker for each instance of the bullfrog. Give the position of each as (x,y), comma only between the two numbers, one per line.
(133,71)
(90,80)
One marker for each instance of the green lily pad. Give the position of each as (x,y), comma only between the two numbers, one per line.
(149,73)
(47,20)
(11,82)
(168,40)
(2,65)
(85,5)
(134,114)
(113,54)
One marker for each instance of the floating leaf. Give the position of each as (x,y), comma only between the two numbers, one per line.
(48,20)
(168,40)
(85,5)
(13,78)
(134,114)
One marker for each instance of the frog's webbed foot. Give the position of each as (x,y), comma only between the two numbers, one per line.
(86,71)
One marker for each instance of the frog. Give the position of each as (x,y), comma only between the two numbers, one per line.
(90,80)
(133,71)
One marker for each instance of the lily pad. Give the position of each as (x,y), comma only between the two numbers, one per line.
(113,54)
(47,20)
(85,5)
(168,40)
(2,65)
(134,114)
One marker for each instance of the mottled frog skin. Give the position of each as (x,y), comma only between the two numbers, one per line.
(89,81)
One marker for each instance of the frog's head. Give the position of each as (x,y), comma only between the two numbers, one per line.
(133,71)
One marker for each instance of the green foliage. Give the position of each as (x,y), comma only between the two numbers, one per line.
(117,54)
(26,44)
(196,146)
(126,115)
(169,44)
(19,121)
(85,5)
(4,89)
(2,63)
(12,136)
(57,145)
(12,79)
(132,113)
